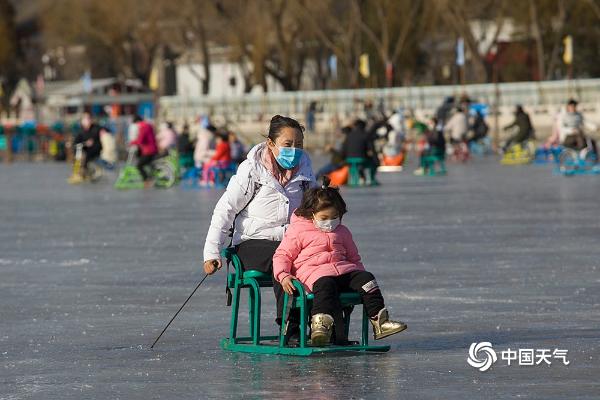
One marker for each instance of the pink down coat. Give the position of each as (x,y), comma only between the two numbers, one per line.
(309,253)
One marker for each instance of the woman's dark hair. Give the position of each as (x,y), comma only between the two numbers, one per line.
(279,122)
(317,199)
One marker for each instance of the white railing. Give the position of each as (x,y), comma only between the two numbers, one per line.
(347,101)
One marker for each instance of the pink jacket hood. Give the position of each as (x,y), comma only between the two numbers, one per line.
(309,253)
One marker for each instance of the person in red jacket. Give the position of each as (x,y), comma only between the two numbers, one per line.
(221,159)
(146,144)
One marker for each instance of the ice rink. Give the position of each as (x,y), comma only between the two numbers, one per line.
(509,255)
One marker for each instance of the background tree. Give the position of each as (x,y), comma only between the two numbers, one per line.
(8,50)
(292,40)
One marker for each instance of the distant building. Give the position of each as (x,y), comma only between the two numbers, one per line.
(227,77)
(109,97)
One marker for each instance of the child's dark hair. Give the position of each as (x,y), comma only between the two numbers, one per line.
(279,122)
(317,199)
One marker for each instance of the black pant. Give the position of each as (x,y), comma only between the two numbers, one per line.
(89,155)
(327,293)
(257,254)
(575,141)
(141,164)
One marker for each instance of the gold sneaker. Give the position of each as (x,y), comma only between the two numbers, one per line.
(321,327)
(383,327)
(75,179)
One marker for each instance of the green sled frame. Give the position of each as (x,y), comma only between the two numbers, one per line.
(275,344)
(164,170)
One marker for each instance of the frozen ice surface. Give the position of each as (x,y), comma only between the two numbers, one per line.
(89,276)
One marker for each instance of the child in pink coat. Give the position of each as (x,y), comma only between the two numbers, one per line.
(319,251)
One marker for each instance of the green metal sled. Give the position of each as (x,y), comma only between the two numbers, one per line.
(275,344)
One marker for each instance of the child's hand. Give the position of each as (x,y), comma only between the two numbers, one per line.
(212,266)
(287,284)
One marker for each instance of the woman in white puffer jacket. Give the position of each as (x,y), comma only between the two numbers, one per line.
(263,194)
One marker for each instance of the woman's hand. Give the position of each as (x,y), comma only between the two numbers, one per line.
(287,284)
(211,266)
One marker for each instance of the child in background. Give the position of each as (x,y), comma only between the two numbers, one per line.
(431,142)
(221,159)
(319,251)
(108,155)
(166,138)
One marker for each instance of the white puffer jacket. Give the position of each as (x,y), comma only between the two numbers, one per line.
(267,215)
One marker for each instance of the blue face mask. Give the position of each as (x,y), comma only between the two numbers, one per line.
(289,157)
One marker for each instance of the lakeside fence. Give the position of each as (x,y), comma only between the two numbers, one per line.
(347,101)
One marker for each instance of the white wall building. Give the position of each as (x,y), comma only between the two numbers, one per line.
(221,74)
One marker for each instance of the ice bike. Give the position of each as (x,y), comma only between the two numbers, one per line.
(94,171)
(578,162)
(163,170)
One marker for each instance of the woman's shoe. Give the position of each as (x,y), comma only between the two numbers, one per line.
(383,327)
(321,326)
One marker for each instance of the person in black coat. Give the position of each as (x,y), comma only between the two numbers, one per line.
(360,143)
(89,137)
(356,143)
(524,128)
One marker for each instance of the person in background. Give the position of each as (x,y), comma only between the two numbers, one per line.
(108,156)
(361,144)
(132,129)
(337,160)
(220,159)
(167,138)
(311,112)
(238,150)
(524,128)
(185,147)
(431,142)
(356,144)
(443,112)
(89,138)
(147,149)
(479,127)
(202,151)
(457,126)
(571,127)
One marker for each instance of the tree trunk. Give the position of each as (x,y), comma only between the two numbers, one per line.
(554,55)
(205,60)
(537,36)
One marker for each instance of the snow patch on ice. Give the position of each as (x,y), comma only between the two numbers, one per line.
(74,263)
(465,300)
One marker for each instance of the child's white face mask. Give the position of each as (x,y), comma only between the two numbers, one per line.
(327,225)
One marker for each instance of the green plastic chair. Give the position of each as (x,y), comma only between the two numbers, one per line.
(239,279)
(429,162)
(355,164)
